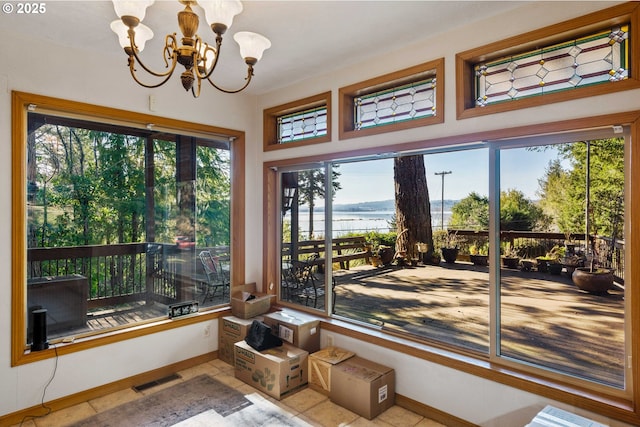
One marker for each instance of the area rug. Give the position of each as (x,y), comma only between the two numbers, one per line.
(200,401)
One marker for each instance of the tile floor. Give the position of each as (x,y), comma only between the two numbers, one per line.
(308,405)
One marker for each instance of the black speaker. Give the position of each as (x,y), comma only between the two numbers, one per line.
(39,322)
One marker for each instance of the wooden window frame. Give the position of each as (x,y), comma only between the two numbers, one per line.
(270,121)
(616,15)
(20,104)
(347,94)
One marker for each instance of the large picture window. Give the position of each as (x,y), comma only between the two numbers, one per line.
(122,223)
(487,248)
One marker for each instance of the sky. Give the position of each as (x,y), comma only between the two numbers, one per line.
(373,180)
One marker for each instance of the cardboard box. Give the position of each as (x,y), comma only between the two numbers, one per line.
(277,371)
(246,309)
(231,330)
(320,367)
(362,386)
(297,329)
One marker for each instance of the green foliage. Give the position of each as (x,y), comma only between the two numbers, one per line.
(563,191)
(471,213)
(91,189)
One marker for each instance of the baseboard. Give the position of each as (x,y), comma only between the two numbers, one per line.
(432,413)
(83,396)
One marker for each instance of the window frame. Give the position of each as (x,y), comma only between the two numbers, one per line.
(465,61)
(21,103)
(347,94)
(270,121)
(588,395)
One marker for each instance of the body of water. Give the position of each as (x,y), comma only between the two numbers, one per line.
(357,222)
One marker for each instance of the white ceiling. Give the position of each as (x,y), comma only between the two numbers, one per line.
(308,37)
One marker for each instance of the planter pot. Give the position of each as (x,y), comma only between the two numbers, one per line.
(526,265)
(481,260)
(542,265)
(598,281)
(386,255)
(555,268)
(450,255)
(510,262)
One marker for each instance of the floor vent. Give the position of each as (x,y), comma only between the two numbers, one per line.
(154,383)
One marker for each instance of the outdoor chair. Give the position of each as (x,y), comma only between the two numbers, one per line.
(216,277)
(300,284)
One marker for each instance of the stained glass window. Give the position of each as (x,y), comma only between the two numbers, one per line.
(400,103)
(594,59)
(306,124)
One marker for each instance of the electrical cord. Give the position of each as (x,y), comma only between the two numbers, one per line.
(44,392)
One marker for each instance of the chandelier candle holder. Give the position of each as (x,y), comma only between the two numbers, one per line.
(198,58)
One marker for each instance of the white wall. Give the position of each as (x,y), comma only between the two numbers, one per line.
(474,399)
(84,76)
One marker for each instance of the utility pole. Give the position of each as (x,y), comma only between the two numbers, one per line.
(442,174)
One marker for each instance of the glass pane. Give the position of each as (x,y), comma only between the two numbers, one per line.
(113,234)
(389,245)
(303,228)
(561,221)
(598,58)
(302,125)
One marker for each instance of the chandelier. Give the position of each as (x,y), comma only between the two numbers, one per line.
(198,58)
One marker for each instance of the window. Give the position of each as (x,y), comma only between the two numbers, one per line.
(594,59)
(115,217)
(404,99)
(587,56)
(520,215)
(298,123)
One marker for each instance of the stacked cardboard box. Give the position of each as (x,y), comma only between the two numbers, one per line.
(277,371)
(231,330)
(296,329)
(247,303)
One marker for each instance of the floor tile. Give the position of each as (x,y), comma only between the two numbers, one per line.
(303,400)
(101,404)
(66,416)
(400,417)
(328,414)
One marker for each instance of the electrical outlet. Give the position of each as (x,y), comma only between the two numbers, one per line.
(207,331)
(329,340)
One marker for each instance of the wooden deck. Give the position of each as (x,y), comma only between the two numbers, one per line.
(545,318)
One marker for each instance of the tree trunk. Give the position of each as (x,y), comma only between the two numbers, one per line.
(413,209)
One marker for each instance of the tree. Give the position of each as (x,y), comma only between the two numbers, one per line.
(471,212)
(563,191)
(311,188)
(413,209)
(519,213)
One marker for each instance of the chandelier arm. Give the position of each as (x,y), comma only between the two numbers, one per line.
(163,81)
(196,94)
(248,79)
(215,61)
(170,47)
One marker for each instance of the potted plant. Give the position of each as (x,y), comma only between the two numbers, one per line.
(592,279)
(479,254)
(510,257)
(450,248)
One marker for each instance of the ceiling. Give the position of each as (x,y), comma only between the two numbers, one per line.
(308,37)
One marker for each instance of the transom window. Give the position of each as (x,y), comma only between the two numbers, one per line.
(405,102)
(404,99)
(595,59)
(306,124)
(297,123)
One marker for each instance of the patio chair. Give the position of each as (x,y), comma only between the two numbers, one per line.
(300,283)
(216,277)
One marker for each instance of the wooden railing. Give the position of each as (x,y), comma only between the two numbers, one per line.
(531,244)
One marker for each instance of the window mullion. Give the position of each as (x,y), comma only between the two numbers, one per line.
(494,251)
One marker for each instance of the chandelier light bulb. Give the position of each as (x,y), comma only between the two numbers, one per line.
(252,45)
(143,34)
(221,11)
(133,8)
